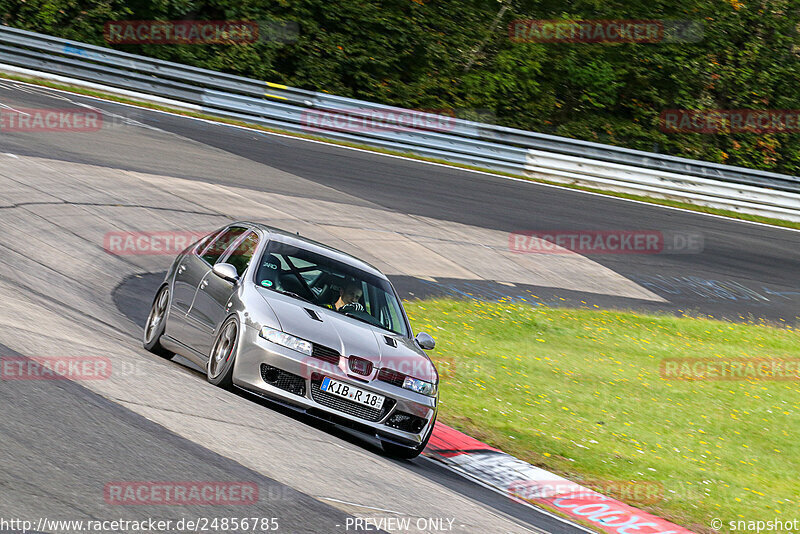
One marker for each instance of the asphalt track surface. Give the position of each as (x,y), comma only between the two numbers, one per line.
(156,420)
(62,441)
(745,271)
(53,429)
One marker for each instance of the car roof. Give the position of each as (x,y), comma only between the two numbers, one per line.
(296,239)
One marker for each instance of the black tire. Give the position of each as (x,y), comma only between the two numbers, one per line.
(219,369)
(157,323)
(407,453)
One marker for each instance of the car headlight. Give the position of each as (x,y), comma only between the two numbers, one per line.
(285,340)
(420,386)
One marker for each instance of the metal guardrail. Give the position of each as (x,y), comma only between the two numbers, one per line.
(484,145)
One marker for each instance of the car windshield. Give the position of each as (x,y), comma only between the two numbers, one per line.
(324,281)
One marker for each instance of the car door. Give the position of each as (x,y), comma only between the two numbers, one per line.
(188,274)
(190,332)
(213,294)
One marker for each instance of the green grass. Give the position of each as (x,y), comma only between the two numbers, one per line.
(579,392)
(641,198)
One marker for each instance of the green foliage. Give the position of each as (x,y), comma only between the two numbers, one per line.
(447,54)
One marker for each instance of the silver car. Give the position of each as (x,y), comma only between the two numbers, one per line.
(303,324)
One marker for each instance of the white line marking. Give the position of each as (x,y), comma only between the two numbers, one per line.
(485,173)
(14,85)
(123,118)
(40,91)
(13,109)
(362,505)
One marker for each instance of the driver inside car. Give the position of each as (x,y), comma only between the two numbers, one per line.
(348,299)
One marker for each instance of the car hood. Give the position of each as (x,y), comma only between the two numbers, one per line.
(350,337)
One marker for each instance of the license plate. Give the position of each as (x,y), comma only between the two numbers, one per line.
(347,391)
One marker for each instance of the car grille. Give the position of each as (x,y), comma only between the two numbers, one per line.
(325,354)
(392,377)
(360,366)
(347,406)
(283,380)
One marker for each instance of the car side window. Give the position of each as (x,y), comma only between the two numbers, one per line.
(217,248)
(240,256)
(201,244)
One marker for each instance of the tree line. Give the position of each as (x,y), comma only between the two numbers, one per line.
(475,58)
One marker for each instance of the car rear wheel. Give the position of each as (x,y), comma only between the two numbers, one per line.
(156,323)
(220,362)
(407,453)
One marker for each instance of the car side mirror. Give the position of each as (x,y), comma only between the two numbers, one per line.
(425,341)
(226,271)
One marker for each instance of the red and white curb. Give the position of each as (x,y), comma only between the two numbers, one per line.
(525,483)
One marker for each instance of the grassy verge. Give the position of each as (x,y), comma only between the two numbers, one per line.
(580,392)
(149,105)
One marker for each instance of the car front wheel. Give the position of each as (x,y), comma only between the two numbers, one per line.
(223,353)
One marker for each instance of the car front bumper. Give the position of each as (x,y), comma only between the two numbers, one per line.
(293,378)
